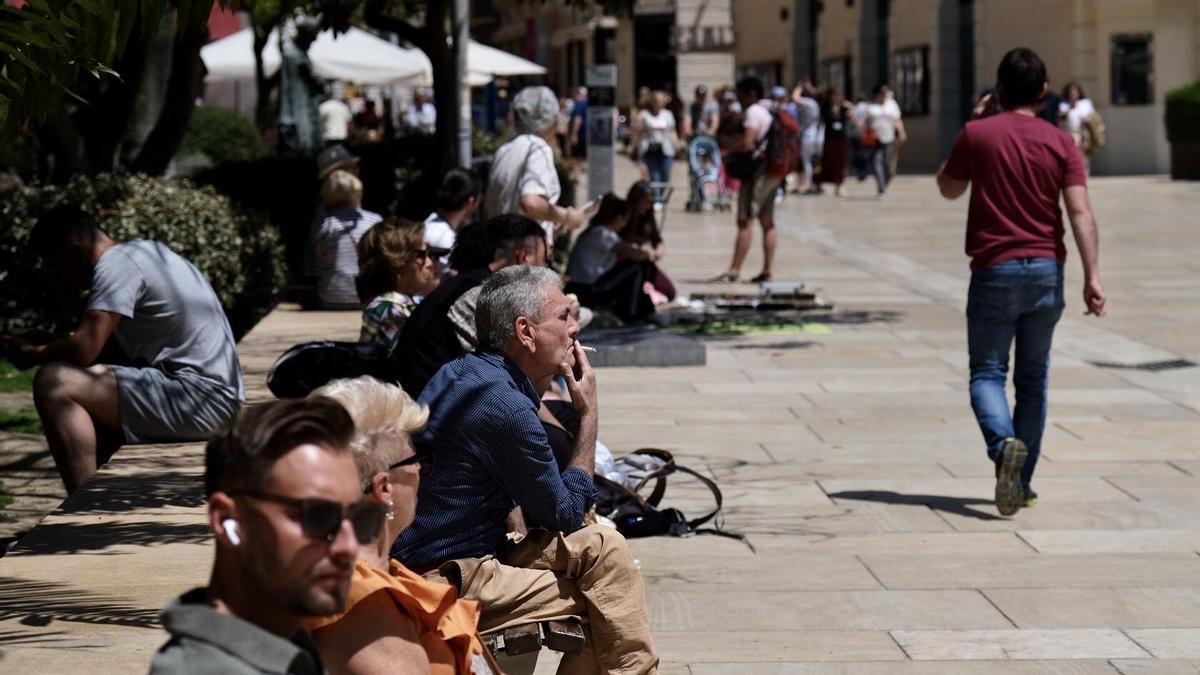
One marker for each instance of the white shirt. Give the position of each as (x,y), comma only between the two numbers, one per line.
(883,117)
(335,118)
(439,234)
(423,119)
(759,117)
(1082,110)
(657,129)
(523,166)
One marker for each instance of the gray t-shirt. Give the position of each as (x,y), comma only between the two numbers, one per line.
(523,166)
(594,254)
(170,317)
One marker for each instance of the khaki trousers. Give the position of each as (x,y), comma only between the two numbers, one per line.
(551,576)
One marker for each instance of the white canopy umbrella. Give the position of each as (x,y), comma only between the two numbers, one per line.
(488,62)
(356,56)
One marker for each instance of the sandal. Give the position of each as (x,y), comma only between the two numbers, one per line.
(765,276)
(723,279)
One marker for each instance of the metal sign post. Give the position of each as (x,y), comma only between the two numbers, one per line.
(601,128)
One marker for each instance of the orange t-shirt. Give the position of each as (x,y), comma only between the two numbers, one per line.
(446,625)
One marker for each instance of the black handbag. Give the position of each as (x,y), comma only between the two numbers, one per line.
(742,165)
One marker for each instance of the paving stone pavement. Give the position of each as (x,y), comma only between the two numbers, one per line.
(848,457)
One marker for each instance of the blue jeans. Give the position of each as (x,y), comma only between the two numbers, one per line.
(1017,300)
(880,155)
(659,167)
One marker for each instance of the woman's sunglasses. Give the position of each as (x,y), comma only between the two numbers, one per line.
(322,518)
(424,458)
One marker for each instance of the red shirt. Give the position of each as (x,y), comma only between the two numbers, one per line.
(1018,166)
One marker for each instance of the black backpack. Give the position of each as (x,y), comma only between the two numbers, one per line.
(638,516)
(310,365)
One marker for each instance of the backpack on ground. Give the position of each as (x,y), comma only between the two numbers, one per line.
(783,144)
(310,365)
(637,516)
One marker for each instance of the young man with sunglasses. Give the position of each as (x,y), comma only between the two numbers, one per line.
(288,515)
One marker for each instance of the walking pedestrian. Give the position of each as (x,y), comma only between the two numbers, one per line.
(1017,168)
(887,130)
(837,117)
(703,115)
(808,116)
(656,139)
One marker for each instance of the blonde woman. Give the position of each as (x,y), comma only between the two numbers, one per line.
(336,238)
(656,139)
(395,621)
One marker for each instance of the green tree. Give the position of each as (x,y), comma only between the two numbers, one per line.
(83,80)
(72,72)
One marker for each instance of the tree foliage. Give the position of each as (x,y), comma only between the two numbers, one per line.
(48,47)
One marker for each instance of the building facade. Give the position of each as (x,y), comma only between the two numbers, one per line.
(939,54)
(663,44)
(936,54)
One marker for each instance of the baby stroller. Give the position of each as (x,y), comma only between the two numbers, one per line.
(704,174)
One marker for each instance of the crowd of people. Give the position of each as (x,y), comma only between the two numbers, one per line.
(377,526)
(362,119)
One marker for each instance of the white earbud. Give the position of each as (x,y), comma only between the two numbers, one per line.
(231,531)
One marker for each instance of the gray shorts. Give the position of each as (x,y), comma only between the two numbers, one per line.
(756,197)
(157,406)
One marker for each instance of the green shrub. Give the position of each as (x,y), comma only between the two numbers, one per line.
(215,135)
(238,251)
(1183,114)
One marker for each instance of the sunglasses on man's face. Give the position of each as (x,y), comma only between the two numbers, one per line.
(421,254)
(321,518)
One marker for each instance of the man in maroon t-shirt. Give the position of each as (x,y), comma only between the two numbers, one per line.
(1017,167)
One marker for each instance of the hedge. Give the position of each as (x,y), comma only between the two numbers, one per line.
(237,250)
(214,136)
(1183,114)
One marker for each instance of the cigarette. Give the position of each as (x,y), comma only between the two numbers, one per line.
(587,349)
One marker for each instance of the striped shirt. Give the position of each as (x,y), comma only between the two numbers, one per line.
(336,239)
(490,454)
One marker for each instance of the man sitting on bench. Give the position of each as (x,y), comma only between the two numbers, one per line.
(184,381)
(492,454)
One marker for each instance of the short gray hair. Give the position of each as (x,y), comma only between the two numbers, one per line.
(534,109)
(513,292)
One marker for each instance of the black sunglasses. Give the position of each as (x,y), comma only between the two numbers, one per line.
(421,254)
(424,458)
(322,518)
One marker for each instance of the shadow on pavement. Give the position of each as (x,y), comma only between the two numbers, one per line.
(141,491)
(66,538)
(39,603)
(957,505)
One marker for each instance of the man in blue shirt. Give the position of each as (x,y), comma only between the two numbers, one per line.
(491,454)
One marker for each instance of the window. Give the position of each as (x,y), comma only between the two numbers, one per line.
(1132,70)
(770,74)
(910,80)
(836,72)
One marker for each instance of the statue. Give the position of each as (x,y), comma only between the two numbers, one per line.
(300,92)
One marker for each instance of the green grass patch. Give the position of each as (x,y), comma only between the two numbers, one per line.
(13,380)
(24,421)
(749,327)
